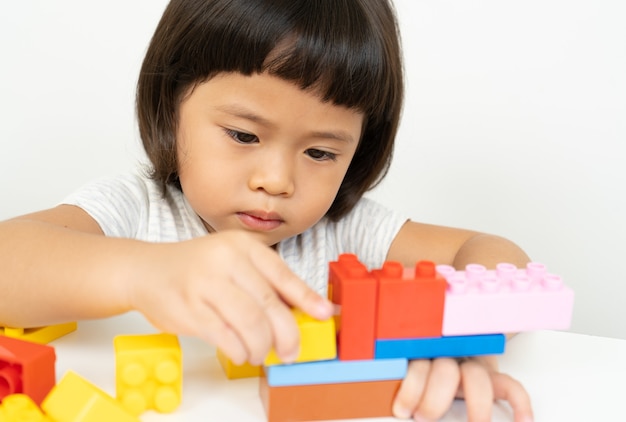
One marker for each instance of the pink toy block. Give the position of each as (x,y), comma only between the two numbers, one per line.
(504,300)
(353,288)
(410,301)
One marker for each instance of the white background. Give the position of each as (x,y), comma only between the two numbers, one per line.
(514,123)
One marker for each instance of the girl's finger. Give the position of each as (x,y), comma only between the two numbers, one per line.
(412,388)
(243,315)
(215,331)
(441,386)
(507,388)
(478,392)
(284,331)
(290,287)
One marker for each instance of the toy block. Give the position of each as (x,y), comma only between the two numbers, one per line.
(505,300)
(75,399)
(317,340)
(336,372)
(354,289)
(148,372)
(233,371)
(26,368)
(21,408)
(429,348)
(328,401)
(42,335)
(410,301)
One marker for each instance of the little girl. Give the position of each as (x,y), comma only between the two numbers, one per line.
(265,122)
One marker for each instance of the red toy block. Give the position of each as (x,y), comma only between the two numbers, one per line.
(26,368)
(353,288)
(505,300)
(410,301)
(328,401)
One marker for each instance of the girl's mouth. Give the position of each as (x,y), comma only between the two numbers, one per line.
(260,220)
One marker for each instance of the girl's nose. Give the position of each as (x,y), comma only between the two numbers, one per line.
(275,177)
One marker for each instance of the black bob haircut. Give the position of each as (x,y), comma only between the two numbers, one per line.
(346,51)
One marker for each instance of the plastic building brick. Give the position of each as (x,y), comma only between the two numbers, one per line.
(317,340)
(20,408)
(429,348)
(26,368)
(505,300)
(75,399)
(148,372)
(410,303)
(328,401)
(233,371)
(404,313)
(42,335)
(353,288)
(336,372)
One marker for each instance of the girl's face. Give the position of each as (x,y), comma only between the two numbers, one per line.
(257,153)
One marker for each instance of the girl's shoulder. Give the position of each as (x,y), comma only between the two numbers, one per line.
(133,205)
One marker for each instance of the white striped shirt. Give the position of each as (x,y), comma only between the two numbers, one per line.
(133,206)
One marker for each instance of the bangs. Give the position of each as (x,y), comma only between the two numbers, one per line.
(327,46)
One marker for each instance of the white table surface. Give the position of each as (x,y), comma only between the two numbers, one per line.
(570,377)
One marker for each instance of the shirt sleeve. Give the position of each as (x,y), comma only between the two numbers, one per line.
(368,231)
(116,203)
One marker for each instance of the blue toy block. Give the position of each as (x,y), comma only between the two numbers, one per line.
(429,348)
(336,371)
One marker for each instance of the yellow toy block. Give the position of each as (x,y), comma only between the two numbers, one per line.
(75,399)
(41,335)
(148,372)
(233,371)
(317,340)
(20,408)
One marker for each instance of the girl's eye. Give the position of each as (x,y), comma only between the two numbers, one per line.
(319,155)
(242,137)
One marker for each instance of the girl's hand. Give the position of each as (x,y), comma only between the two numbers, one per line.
(227,288)
(431,385)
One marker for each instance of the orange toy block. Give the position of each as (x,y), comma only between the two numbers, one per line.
(75,399)
(328,401)
(148,372)
(27,368)
(21,408)
(317,340)
(355,290)
(410,302)
(41,335)
(233,371)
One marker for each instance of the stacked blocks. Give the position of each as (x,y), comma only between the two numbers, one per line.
(450,346)
(148,372)
(328,401)
(393,314)
(42,335)
(354,290)
(505,300)
(410,304)
(317,340)
(74,399)
(26,368)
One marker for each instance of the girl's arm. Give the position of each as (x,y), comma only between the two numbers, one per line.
(456,247)
(431,385)
(227,288)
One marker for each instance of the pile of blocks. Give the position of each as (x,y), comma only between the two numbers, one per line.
(148,376)
(391,315)
(349,366)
